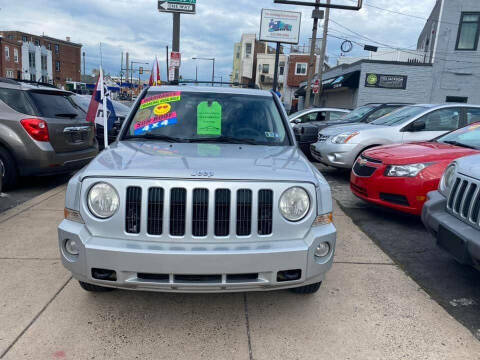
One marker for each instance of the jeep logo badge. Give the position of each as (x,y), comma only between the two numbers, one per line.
(203,173)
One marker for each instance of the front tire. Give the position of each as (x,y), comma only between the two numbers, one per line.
(94,288)
(307,289)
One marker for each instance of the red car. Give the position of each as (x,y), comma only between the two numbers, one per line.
(400,176)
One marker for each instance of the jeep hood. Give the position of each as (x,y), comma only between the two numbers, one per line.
(152,159)
(470,166)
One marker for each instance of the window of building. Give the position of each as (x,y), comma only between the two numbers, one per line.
(57,48)
(57,65)
(248,49)
(31,59)
(468,31)
(236,76)
(7,53)
(9,74)
(37,43)
(301,69)
(10,37)
(15,55)
(265,68)
(281,69)
(457,99)
(237,55)
(44,62)
(24,38)
(33,77)
(49,46)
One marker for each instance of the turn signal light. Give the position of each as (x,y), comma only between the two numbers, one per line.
(324,219)
(36,128)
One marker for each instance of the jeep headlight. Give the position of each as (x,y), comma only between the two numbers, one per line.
(294,204)
(447,179)
(103,200)
(411,170)
(344,138)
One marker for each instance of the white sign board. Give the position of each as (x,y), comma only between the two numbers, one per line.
(175,58)
(280,26)
(171,73)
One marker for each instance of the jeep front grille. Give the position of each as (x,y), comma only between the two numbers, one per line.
(133,209)
(190,210)
(464,200)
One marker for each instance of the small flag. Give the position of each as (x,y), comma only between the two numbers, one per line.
(155,74)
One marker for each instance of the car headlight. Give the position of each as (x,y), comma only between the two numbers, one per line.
(344,138)
(411,170)
(294,204)
(447,179)
(103,200)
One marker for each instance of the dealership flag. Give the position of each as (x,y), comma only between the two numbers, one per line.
(155,75)
(104,114)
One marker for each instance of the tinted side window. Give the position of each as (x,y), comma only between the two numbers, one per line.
(440,120)
(334,115)
(473,115)
(17,100)
(309,117)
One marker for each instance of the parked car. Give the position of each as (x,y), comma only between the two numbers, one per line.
(121,111)
(306,132)
(452,214)
(211,196)
(316,115)
(42,131)
(339,146)
(400,176)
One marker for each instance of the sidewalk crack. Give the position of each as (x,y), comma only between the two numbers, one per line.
(34,319)
(247,323)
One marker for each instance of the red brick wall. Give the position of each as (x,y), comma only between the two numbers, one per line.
(295,80)
(10,64)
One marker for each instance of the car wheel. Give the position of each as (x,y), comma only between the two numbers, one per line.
(94,288)
(307,289)
(8,169)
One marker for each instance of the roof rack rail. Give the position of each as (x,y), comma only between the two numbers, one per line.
(18,81)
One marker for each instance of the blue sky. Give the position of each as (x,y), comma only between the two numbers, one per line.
(136,26)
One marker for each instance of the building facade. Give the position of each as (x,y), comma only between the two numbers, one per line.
(444,68)
(10,59)
(44,58)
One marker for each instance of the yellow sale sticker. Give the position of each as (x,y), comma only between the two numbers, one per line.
(162,109)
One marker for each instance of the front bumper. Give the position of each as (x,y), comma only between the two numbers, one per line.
(336,155)
(434,216)
(222,262)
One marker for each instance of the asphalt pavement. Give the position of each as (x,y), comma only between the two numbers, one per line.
(29,187)
(404,238)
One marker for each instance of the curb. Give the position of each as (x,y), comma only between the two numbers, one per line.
(30,203)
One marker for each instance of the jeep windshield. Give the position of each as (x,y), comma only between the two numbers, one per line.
(184,116)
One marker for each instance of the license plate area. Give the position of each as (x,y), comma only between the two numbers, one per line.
(453,244)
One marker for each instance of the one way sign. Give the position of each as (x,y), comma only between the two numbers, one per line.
(177,6)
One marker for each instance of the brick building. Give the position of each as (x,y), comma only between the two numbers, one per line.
(65,63)
(10,59)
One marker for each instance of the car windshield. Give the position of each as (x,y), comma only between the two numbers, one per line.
(208,117)
(468,136)
(358,113)
(399,116)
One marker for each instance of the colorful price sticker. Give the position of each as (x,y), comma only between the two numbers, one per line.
(162,109)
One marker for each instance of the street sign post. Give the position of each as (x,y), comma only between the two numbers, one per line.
(175,59)
(316,86)
(178,6)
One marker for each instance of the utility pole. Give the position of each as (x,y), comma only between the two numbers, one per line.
(275,73)
(167,64)
(84,73)
(316,100)
(316,14)
(176,39)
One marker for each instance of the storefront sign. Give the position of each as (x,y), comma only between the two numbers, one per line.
(386,81)
(280,26)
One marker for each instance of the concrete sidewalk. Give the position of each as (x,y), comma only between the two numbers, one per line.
(367,309)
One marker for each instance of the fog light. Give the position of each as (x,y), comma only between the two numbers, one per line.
(323,249)
(71,247)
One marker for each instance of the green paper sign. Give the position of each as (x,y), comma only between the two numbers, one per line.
(209,118)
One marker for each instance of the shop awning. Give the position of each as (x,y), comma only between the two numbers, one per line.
(350,80)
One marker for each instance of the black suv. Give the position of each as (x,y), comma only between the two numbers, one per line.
(307,134)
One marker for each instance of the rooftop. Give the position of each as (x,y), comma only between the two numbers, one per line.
(212,90)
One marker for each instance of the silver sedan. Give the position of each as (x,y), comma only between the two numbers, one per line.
(339,146)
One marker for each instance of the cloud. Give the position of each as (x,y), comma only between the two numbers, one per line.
(137,27)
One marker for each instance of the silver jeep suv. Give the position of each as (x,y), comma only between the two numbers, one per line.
(41,132)
(204,190)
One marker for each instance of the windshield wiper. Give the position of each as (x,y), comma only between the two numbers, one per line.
(225,139)
(157,137)
(456,143)
(67,115)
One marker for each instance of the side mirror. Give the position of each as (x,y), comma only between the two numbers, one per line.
(296,121)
